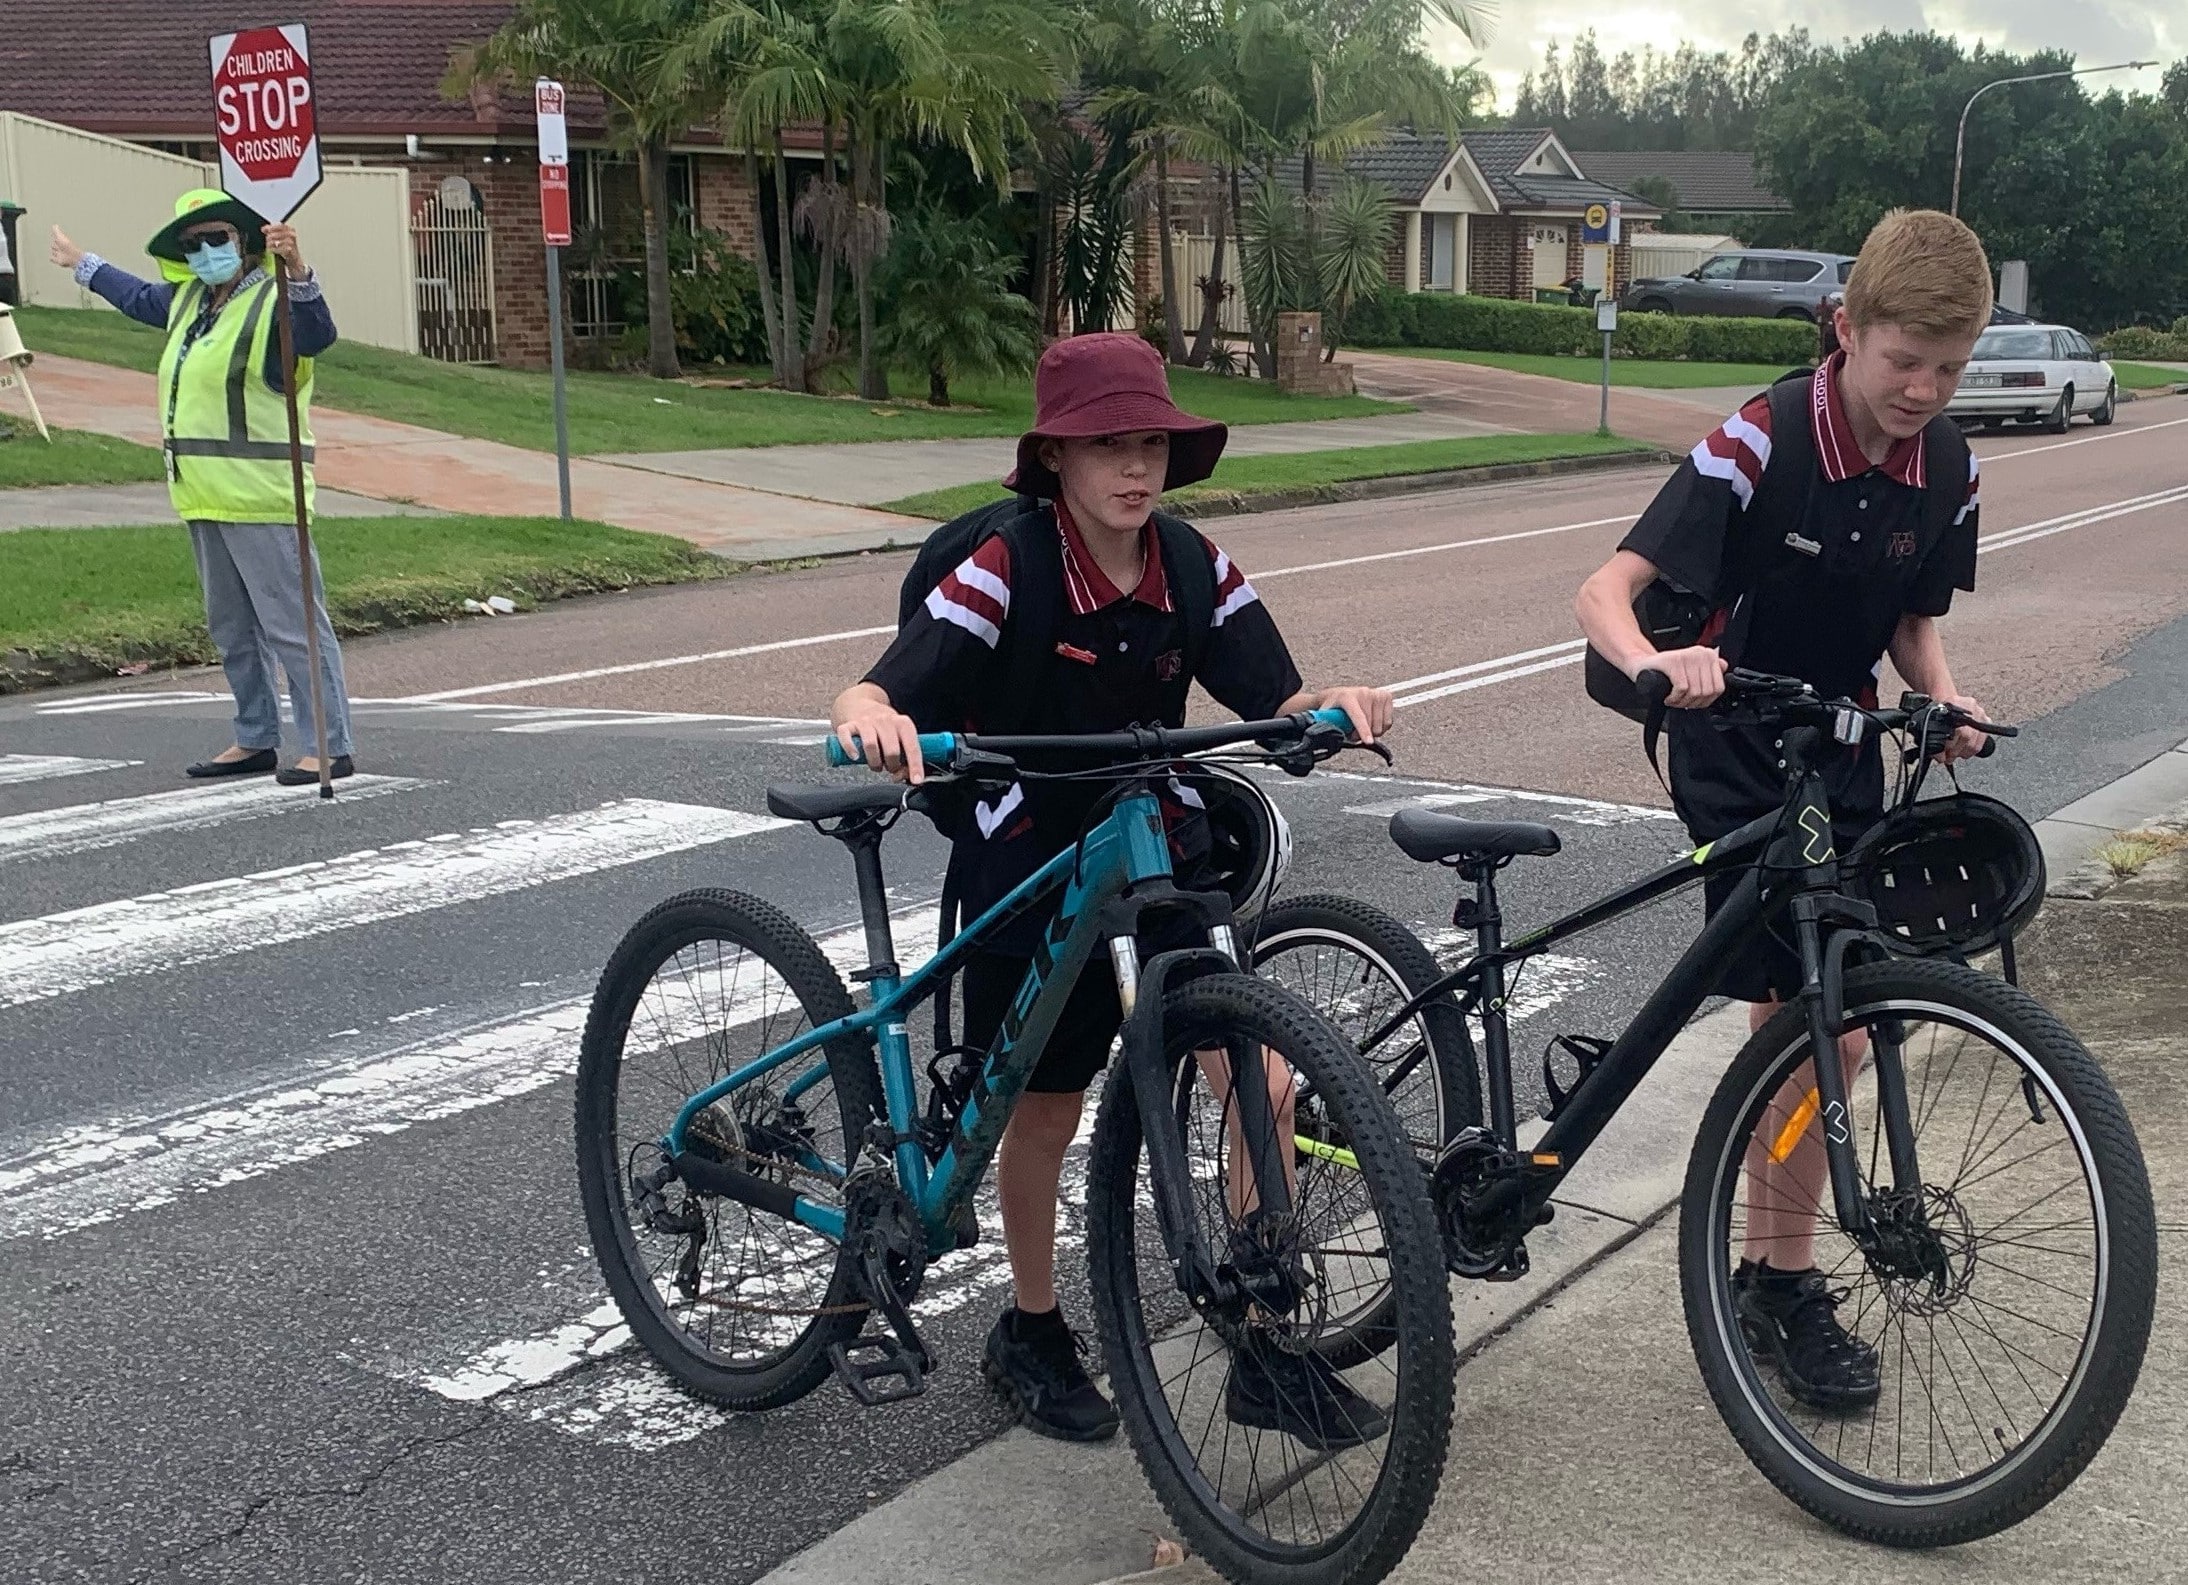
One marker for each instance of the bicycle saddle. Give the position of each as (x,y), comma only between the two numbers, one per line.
(1428,836)
(825,802)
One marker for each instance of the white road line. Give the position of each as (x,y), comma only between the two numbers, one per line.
(91,1173)
(1511,674)
(2007,538)
(2127,433)
(19,768)
(875,632)
(1571,811)
(1485,665)
(649,665)
(78,828)
(135,701)
(67,952)
(1451,544)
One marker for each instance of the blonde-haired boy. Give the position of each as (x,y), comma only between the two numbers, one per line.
(1826,524)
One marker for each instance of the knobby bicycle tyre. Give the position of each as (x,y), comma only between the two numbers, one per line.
(2066,1085)
(1356,965)
(792,987)
(1216,1011)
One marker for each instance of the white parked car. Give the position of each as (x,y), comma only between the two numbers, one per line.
(2035,374)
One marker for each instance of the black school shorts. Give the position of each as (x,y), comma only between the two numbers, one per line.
(1079,1048)
(1724,776)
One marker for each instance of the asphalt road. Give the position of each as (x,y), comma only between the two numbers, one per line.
(296,1285)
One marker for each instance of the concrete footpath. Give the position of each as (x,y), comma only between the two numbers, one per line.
(404,463)
(1585,1448)
(99,505)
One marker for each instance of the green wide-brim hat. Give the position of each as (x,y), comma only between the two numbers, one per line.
(195,208)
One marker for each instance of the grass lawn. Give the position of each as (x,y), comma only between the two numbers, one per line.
(1249,475)
(624,412)
(83,600)
(2147,376)
(73,457)
(1643,373)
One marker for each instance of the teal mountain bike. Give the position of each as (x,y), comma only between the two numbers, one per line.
(765,1188)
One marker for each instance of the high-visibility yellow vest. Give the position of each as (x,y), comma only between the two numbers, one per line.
(227,433)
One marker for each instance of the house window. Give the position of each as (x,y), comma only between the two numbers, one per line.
(609,218)
(1443,252)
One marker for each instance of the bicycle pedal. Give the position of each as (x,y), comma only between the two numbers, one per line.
(868,1365)
(1513,1268)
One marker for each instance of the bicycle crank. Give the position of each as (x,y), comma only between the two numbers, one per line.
(1481,1194)
(884,1259)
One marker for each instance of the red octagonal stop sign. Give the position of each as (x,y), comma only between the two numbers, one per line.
(265,118)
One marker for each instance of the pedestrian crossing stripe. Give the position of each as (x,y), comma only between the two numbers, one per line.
(62,954)
(19,768)
(79,828)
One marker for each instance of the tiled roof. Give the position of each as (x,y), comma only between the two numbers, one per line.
(1705,182)
(1500,152)
(133,68)
(1570,194)
(1406,164)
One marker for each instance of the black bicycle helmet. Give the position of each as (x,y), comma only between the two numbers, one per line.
(1951,875)
(1251,846)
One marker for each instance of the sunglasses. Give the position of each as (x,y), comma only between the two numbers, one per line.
(196,241)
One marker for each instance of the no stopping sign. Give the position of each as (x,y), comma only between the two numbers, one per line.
(264,117)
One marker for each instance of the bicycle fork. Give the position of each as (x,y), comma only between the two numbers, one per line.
(1208,1281)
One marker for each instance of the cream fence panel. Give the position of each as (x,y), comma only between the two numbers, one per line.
(109,196)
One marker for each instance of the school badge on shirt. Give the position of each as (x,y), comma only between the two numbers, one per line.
(1169,665)
(1902,545)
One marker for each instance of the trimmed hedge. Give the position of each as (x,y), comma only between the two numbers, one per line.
(2140,341)
(1494,324)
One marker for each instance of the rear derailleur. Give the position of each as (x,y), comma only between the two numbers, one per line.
(1481,1194)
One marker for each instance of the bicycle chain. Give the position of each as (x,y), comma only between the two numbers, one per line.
(791,1168)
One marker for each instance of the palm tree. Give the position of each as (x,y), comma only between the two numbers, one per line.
(626,51)
(953,311)
(953,72)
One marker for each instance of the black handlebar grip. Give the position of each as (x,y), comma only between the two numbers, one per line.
(1990,747)
(1652,686)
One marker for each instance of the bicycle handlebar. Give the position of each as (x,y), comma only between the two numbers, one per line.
(1797,699)
(939,748)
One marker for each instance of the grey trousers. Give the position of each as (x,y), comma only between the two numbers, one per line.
(254,604)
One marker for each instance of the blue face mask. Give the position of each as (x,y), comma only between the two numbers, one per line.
(216,263)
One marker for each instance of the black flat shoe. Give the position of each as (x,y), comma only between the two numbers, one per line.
(297,776)
(250,765)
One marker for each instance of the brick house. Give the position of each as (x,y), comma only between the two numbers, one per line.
(138,71)
(1498,213)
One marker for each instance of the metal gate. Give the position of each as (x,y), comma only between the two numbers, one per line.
(455,253)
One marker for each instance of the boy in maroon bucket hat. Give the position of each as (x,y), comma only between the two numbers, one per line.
(1141,606)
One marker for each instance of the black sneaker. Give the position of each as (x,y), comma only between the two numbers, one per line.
(1032,1362)
(1790,1319)
(1301,1395)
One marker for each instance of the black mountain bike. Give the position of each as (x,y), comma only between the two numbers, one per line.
(1973,1188)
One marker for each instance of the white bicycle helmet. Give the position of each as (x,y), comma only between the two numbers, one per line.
(1250,841)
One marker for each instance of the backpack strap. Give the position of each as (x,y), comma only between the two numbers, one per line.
(1192,574)
(1028,647)
(1944,477)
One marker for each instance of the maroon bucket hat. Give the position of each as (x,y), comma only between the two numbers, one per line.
(1110,383)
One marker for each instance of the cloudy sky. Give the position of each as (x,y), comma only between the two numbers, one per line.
(2097,32)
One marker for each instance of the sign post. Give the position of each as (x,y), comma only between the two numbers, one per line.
(267,126)
(1599,227)
(554,223)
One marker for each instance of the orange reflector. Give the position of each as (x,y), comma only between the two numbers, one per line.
(1547,1158)
(1789,1137)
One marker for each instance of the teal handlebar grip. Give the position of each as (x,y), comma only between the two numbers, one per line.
(1335,718)
(934,748)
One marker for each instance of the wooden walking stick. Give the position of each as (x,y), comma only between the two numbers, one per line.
(285,327)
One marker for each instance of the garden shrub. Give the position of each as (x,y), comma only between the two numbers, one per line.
(1468,323)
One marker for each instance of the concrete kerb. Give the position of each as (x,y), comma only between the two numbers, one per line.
(828,546)
(2071,836)
(1098,1519)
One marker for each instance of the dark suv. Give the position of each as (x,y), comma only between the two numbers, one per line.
(1761,283)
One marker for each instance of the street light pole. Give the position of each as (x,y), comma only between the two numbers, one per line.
(1960,140)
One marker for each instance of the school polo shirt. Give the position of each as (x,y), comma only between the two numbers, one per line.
(1119,661)
(1821,597)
